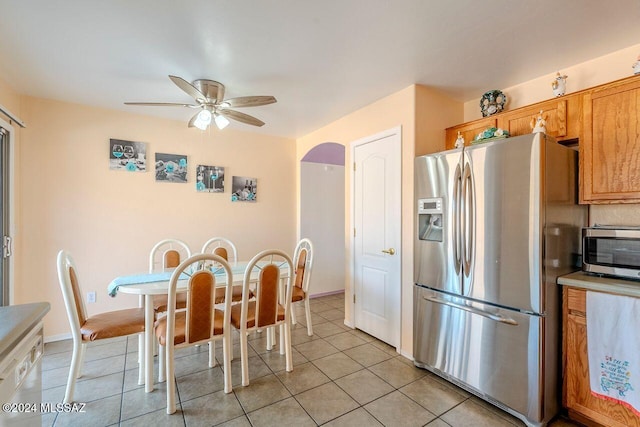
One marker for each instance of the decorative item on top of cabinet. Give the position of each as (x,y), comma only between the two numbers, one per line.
(539,124)
(468,131)
(636,66)
(492,102)
(576,396)
(610,146)
(559,85)
(490,134)
(459,141)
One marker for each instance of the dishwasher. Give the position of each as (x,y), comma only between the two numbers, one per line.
(21,381)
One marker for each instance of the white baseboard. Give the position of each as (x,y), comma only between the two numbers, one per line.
(326,294)
(407,355)
(60,337)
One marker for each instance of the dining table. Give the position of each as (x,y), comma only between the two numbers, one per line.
(147,285)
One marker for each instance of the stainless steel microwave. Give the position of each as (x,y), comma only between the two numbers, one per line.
(614,251)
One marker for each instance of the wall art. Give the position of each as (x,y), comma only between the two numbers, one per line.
(171,167)
(127,155)
(210,179)
(244,189)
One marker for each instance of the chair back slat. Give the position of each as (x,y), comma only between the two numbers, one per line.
(171,259)
(267,306)
(77,295)
(300,266)
(220,251)
(303,257)
(200,306)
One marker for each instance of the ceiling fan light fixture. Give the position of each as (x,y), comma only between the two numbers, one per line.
(221,121)
(211,105)
(203,120)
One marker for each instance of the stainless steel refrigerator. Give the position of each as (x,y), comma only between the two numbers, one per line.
(496,223)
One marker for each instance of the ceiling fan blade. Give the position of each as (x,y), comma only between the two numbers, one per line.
(220,94)
(250,101)
(161,104)
(241,117)
(188,88)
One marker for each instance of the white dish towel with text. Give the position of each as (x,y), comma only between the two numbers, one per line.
(613,344)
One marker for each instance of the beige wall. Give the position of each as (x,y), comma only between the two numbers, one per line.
(109,220)
(423,115)
(604,69)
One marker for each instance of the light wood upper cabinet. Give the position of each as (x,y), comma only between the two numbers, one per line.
(518,122)
(564,120)
(610,147)
(577,397)
(468,131)
(606,121)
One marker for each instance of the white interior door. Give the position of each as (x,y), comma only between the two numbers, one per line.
(377,231)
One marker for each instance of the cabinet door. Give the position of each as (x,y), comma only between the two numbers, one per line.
(578,398)
(518,122)
(468,131)
(610,148)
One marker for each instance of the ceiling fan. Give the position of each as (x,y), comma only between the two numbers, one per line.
(209,97)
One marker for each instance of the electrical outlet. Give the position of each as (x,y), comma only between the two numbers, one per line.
(91,297)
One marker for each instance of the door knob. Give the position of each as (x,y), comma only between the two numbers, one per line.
(389,251)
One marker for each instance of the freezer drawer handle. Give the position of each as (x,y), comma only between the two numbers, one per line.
(474,310)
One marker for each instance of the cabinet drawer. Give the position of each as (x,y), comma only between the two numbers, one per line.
(577,301)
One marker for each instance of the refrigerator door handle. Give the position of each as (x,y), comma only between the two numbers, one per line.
(457,245)
(467,219)
(470,309)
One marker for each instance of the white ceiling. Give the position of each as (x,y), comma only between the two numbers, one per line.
(320,59)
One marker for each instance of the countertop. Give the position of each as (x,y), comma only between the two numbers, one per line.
(16,321)
(580,279)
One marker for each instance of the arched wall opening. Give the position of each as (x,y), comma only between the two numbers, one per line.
(322,177)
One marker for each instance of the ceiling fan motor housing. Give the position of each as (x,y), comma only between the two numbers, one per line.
(209,88)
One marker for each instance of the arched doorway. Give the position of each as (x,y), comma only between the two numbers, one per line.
(322,214)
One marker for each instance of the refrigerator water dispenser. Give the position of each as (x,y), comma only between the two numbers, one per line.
(430,219)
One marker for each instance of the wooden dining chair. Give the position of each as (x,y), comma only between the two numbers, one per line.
(227,250)
(221,246)
(200,323)
(166,255)
(264,311)
(303,259)
(85,329)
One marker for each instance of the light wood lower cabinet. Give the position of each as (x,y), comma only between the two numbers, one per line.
(577,398)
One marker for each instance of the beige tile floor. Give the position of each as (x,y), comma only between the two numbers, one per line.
(341,377)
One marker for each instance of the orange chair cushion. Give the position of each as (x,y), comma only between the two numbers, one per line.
(160,302)
(113,324)
(236,294)
(236,313)
(181,321)
(297,294)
